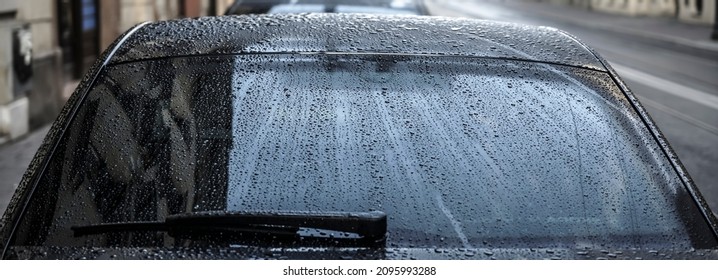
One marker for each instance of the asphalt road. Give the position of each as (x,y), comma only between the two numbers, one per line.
(677,85)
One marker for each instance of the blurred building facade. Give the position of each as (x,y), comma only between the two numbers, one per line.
(30,61)
(692,11)
(45,43)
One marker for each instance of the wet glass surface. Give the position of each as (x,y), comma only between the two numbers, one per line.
(460,153)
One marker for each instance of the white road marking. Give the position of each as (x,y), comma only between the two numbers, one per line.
(666,86)
(677,114)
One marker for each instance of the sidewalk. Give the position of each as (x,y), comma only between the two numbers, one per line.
(669,30)
(15,156)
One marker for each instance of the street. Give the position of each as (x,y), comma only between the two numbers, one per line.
(676,82)
(14,159)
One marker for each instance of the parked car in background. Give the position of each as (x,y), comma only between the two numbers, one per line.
(333,136)
(406,7)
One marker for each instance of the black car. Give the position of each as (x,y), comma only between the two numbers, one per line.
(405,7)
(328,136)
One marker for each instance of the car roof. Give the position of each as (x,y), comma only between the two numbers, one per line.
(353,33)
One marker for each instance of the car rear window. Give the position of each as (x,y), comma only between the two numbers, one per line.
(459,152)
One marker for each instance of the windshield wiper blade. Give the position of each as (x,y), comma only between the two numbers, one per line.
(368,225)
